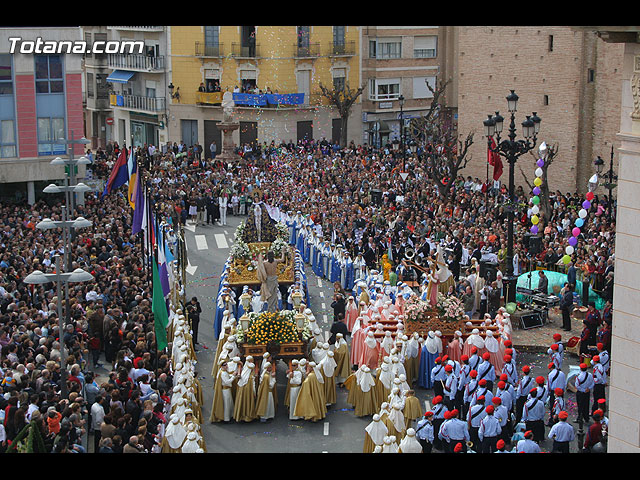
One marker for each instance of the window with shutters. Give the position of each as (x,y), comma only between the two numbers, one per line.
(425,47)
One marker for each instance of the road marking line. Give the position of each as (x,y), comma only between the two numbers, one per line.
(221,240)
(326,428)
(319,282)
(201,242)
(324,307)
(324,317)
(191,228)
(321,294)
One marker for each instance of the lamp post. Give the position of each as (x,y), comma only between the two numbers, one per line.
(599,163)
(37,277)
(72,163)
(511,149)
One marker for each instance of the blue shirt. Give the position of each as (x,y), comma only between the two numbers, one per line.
(455,430)
(533,410)
(584,382)
(527,446)
(489,427)
(562,432)
(424,430)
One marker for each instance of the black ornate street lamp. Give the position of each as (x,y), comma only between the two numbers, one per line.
(511,149)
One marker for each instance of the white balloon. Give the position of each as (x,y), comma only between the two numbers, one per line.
(538,172)
(569,250)
(535,210)
(582,213)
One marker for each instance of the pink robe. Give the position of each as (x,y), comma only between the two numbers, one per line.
(357,345)
(454,350)
(351,313)
(370,356)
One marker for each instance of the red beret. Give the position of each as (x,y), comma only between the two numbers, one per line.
(447,415)
(482,382)
(507,358)
(500,444)
(602,401)
(448,368)
(445,358)
(438,360)
(474,350)
(600,346)
(540,380)
(428,414)
(454,412)
(473,374)
(557,336)
(464,358)
(551,365)
(436,400)
(558,392)
(504,377)
(496,400)
(486,355)
(501,384)
(596,358)
(457,448)
(481,398)
(528,434)
(599,412)
(583,366)
(563,415)
(554,346)
(526,369)
(508,351)
(507,343)
(533,391)
(489,409)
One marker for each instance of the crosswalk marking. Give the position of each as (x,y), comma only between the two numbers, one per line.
(324,306)
(321,294)
(201,242)
(221,240)
(326,428)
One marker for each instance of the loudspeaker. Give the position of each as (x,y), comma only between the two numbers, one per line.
(531,320)
(488,271)
(533,244)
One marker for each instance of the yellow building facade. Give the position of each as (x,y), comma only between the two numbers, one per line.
(288,61)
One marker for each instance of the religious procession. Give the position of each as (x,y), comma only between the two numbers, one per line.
(404,337)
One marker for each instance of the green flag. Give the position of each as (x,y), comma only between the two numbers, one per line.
(159,309)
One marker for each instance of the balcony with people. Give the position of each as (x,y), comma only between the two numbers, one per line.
(247,94)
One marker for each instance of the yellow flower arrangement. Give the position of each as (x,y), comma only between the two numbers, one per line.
(272,327)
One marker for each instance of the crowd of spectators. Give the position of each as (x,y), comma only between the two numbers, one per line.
(356,195)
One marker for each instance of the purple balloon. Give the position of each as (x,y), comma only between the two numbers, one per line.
(534,229)
(573,241)
(540,163)
(586,204)
(536,190)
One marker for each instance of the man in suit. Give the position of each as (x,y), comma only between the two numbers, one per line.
(566,305)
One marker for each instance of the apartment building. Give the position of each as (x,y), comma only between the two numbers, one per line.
(40,108)
(136,85)
(275,72)
(398,62)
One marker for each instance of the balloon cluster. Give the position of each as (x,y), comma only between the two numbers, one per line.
(575,232)
(535,219)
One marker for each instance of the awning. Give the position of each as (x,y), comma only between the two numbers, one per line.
(120,76)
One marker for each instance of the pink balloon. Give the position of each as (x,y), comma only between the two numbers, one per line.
(575,231)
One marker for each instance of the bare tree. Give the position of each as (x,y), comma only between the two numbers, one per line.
(545,197)
(444,152)
(342,98)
